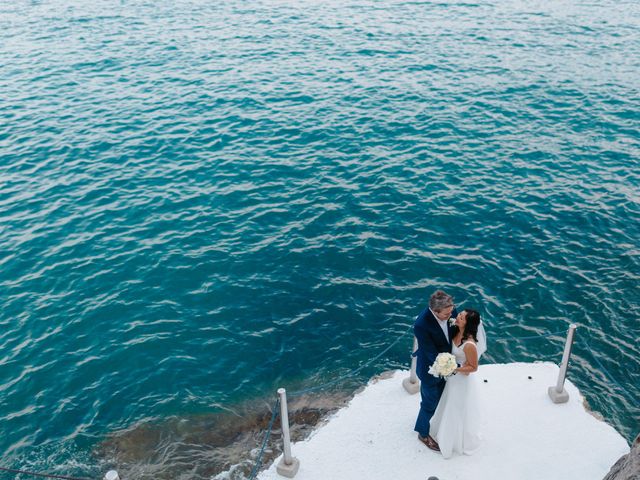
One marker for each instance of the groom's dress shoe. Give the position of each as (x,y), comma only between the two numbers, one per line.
(429,442)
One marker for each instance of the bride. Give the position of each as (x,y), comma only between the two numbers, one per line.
(455,423)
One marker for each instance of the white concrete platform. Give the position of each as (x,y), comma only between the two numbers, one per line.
(526,436)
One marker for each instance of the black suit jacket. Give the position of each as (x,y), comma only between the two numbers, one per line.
(431,342)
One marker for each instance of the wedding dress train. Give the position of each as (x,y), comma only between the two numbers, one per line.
(456,421)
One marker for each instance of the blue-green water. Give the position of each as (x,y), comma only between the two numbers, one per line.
(202,201)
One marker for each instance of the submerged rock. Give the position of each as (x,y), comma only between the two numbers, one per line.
(628,467)
(202,446)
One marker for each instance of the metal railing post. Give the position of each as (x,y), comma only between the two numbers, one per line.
(411,384)
(557,393)
(288,465)
(111,475)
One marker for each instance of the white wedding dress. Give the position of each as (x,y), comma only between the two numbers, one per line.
(455,424)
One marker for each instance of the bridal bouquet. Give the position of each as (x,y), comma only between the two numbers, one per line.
(444,366)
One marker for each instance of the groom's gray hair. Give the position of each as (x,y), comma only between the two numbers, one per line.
(440,300)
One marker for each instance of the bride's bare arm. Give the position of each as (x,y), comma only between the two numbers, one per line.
(471,365)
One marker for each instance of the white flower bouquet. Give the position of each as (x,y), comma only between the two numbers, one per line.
(444,366)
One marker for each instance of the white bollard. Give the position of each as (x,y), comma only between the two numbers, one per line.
(557,393)
(288,465)
(111,475)
(412,384)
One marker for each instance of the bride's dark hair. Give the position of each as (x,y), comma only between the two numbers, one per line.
(471,328)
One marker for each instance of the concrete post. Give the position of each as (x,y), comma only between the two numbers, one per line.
(557,393)
(411,384)
(288,465)
(111,475)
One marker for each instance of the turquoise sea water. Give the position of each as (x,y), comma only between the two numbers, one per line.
(203,201)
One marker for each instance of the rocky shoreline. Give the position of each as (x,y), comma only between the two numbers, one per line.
(628,467)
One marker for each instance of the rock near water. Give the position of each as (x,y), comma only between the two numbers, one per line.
(628,467)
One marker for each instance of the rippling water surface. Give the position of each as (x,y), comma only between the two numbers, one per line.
(202,201)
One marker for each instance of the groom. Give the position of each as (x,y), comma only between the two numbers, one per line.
(433,332)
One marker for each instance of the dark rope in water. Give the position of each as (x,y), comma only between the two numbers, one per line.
(45,475)
(274,414)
